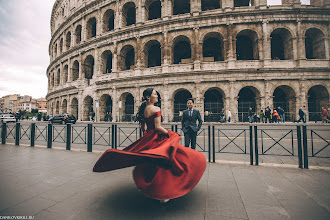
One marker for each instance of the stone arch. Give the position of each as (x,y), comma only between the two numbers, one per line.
(285,97)
(247,45)
(55,50)
(57,107)
(53,79)
(105,109)
(61,46)
(64,108)
(127,104)
(91,28)
(181,7)
(318,97)
(180,102)
(65,73)
(248,96)
(213,104)
(213,47)
(153,9)
(108,20)
(75,70)
(74,107)
(315,44)
(88,109)
(281,44)
(68,40)
(210,4)
(58,77)
(153,53)
(126,60)
(78,34)
(129,14)
(181,50)
(106,59)
(88,67)
(242,3)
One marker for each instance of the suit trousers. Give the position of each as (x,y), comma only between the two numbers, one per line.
(190,137)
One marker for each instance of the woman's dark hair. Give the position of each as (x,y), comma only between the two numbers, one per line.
(140,114)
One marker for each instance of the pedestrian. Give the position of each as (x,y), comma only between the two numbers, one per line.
(250,115)
(189,127)
(222,115)
(280,112)
(106,117)
(262,116)
(325,114)
(267,114)
(301,115)
(276,117)
(229,115)
(164,168)
(328,118)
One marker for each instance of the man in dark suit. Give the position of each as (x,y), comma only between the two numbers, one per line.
(189,126)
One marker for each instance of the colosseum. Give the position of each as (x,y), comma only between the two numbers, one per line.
(231,54)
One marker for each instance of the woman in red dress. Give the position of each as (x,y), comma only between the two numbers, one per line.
(164,168)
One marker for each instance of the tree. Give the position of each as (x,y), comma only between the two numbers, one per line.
(34,111)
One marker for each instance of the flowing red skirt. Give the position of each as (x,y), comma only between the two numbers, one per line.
(164,168)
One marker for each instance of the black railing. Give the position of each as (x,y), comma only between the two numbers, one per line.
(227,141)
(317,150)
(284,150)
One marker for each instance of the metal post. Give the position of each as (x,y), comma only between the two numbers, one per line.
(68,136)
(251,146)
(89,137)
(209,137)
(4,133)
(172,127)
(176,128)
(256,144)
(112,136)
(49,136)
(305,147)
(33,134)
(17,137)
(299,147)
(115,136)
(213,144)
(140,132)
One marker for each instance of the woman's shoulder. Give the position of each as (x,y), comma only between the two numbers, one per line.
(153,110)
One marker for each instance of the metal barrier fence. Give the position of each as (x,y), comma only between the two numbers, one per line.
(212,140)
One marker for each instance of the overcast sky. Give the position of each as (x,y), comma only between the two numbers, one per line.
(24,40)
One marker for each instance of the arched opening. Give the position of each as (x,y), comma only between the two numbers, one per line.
(58,77)
(210,4)
(129,14)
(55,50)
(64,106)
(74,107)
(315,44)
(213,47)
(89,67)
(88,111)
(281,44)
(153,50)
(154,11)
(106,61)
(246,45)
(57,108)
(182,50)
(180,103)
(213,104)
(128,107)
(91,28)
(318,97)
(68,40)
(127,58)
(75,70)
(106,108)
(61,45)
(181,7)
(53,79)
(285,97)
(242,3)
(78,34)
(108,20)
(247,97)
(65,73)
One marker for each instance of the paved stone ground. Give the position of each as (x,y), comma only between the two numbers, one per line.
(58,184)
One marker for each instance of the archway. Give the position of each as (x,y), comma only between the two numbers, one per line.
(246,45)
(91,28)
(89,67)
(285,97)
(247,97)
(65,74)
(105,108)
(75,70)
(210,4)
(213,47)
(78,34)
(68,40)
(315,44)
(88,109)
(108,20)
(281,44)
(181,7)
(318,97)
(128,107)
(129,14)
(127,58)
(181,50)
(213,104)
(57,108)
(74,107)
(106,61)
(180,103)
(64,106)
(154,8)
(153,49)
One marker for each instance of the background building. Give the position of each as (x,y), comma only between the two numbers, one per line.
(234,54)
(42,105)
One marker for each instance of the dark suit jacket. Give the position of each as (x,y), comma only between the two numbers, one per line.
(190,121)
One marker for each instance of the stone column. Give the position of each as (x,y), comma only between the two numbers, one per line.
(167,11)
(227,5)
(99,23)
(81,74)
(302,99)
(69,70)
(230,51)
(166,103)
(195,7)
(166,49)
(232,105)
(262,4)
(300,44)
(117,19)
(138,53)
(199,100)
(83,29)
(197,50)
(115,57)
(115,109)
(61,74)
(266,44)
(97,63)
(72,36)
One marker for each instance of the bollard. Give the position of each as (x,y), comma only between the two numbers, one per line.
(251,146)
(140,131)
(4,133)
(113,136)
(49,136)
(256,144)
(68,136)
(172,127)
(17,137)
(176,128)
(209,138)
(33,134)
(213,144)
(89,137)
(305,147)
(299,146)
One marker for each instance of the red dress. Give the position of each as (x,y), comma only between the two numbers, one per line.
(164,168)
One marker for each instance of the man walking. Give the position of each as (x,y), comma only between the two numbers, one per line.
(189,126)
(301,115)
